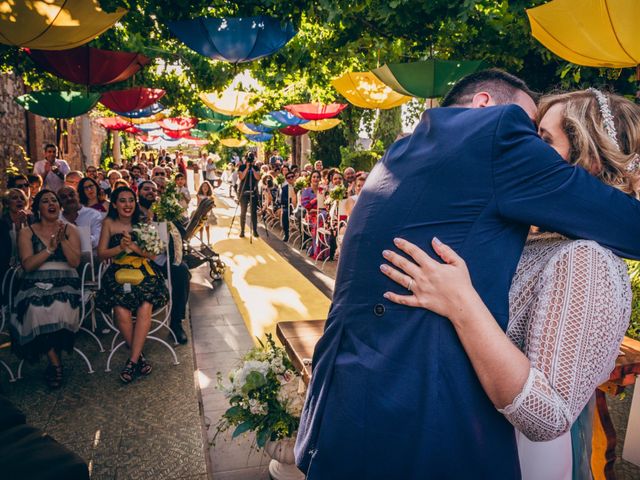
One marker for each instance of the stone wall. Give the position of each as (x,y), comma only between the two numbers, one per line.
(13,124)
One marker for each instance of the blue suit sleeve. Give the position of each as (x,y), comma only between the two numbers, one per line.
(535,186)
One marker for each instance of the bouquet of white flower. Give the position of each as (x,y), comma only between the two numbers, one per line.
(338,193)
(147,238)
(265,395)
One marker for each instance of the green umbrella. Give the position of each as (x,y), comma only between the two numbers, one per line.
(206,113)
(195,133)
(211,126)
(425,79)
(270,122)
(58,104)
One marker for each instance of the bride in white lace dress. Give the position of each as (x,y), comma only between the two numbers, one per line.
(570,300)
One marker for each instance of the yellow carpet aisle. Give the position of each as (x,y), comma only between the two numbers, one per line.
(266,289)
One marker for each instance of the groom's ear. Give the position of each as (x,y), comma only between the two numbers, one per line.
(482,99)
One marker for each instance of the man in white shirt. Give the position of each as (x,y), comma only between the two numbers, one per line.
(51,169)
(73,212)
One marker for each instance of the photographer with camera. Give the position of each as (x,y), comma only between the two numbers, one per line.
(249,176)
(51,169)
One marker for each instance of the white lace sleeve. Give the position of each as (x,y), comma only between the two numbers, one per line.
(573,340)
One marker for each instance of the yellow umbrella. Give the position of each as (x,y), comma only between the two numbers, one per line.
(230,102)
(53,24)
(594,33)
(319,125)
(244,129)
(365,90)
(233,142)
(149,119)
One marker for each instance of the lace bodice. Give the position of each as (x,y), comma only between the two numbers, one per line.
(570,304)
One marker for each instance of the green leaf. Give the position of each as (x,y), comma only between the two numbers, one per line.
(254,380)
(242,428)
(262,437)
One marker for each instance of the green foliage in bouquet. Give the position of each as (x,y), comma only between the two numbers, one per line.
(634,274)
(279,179)
(168,208)
(263,395)
(338,193)
(301,182)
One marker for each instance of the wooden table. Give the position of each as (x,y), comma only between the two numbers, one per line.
(300,338)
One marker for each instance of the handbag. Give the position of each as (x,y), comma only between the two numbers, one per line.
(132,276)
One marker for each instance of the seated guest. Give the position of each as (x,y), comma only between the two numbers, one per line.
(92,172)
(289,202)
(75,213)
(103,182)
(158,172)
(358,184)
(183,190)
(15,212)
(88,192)
(126,299)
(349,180)
(112,176)
(73,178)
(47,305)
(312,199)
(35,185)
(180,275)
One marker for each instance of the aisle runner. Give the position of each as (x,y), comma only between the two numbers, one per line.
(266,289)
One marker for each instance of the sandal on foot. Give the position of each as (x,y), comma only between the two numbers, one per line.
(144,367)
(53,376)
(128,372)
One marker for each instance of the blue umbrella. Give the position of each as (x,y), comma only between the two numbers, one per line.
(286,118)
(260,137)
(259,128)
(143,112)
(234,39)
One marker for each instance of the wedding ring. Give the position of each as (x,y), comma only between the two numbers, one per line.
(410,285)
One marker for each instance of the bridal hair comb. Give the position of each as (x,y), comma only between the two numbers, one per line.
(607,121)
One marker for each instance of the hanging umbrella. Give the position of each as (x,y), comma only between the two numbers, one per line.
(365,90)
(245,129)
(425,79)
(231,102)
(315,111)
(131,99)
(89,66)
(286,118)
(319,125)
(594,33)
(260,137)
(114,123)
(176,133)
(206,113)
(143,113)
(211,126)
(196,142)
(53,24)
(148,127)
(195,133)
(271,123)
(178,123)
(233,142)
(152,118)
(293,130)
(234,40)
(260,128)
(58,104)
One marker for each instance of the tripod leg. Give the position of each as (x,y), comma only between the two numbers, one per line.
(233,220)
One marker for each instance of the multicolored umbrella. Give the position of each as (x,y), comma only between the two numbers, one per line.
(233,142)
(271,123)
(212,126)
(178,123)
(365,90)
(260,128)
(89,66)
(260,137)
(234,40)
(286,118)
(594,33)
(206,113)
(131,99)
(245,129)
(152,118)
(58,104)
(149,127)
(293,130)
(143,113)
(175,134)
(320,125)
(315,111)
(231,102)
(53,24)
(425,79)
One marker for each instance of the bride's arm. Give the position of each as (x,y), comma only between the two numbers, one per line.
(575,333)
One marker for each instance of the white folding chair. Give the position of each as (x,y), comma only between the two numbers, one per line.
(160,317)
(7,281)
(323,234)
(88,285)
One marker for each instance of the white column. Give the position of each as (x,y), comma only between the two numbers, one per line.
(86,134)
(117,156)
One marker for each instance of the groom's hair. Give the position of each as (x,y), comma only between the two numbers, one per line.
(502,86)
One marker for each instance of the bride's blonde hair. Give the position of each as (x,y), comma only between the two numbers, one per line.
(591,146)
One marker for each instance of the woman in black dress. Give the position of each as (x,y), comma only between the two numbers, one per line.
(118,242)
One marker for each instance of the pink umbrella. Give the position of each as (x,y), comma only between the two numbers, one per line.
(315,111)
(131,99)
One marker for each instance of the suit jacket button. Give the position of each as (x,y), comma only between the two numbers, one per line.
(378,310)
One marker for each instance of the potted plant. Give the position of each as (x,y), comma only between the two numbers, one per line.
(265,397)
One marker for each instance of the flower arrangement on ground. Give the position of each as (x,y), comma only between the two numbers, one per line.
(264,395)
(301,182)
(338,193)
(147,237)
(168,208)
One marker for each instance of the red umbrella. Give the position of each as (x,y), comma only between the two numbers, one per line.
(293,130)
(175,134)
(179,123)
(89,66)
(315,111)
(114,123)
(131,99)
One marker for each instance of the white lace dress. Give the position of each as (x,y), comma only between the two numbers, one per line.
(570,304)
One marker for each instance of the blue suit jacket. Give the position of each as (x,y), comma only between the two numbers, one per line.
(393,394)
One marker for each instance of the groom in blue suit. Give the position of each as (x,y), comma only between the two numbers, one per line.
(393,394)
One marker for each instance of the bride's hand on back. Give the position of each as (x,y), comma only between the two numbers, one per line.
(442,288)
